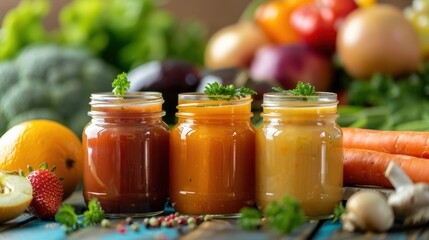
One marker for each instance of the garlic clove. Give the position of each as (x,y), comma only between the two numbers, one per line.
(368,210)
(420,217)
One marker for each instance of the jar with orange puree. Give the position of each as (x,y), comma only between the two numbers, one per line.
(212,155)
(299,152)
(126,156)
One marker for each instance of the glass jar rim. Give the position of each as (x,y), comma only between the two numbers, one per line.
(276,98)
(148,96)
(189,96)
(289,97)
(198,103)
(108,99)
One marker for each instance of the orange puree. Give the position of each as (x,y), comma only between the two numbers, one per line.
(212,157)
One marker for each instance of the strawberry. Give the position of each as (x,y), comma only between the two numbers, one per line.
(47,192)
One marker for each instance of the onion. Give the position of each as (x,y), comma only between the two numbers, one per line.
(378,39)
(234,45)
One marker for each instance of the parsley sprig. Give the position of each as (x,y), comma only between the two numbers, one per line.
(283,216)
(71,221)
(120,84)
(216,90)
(301,89)
(339,210)
(250,219)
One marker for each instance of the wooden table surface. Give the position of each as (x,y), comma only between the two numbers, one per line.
(28,227)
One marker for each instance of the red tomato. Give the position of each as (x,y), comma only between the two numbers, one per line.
(317,22)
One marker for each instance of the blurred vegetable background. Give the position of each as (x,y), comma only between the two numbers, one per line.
(125,33)
(375,56)
(372,53)
(50,73)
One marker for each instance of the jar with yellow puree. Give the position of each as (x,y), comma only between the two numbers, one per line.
(212,156)
(299,152)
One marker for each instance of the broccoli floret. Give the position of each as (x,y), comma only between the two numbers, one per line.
(63,74)
(56,78)
(35,61)
(79,121)
(23,97)
(68,97)
(3,121)
(96,80)
(36,113)
(8,76)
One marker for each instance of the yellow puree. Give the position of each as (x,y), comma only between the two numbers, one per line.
(300,154)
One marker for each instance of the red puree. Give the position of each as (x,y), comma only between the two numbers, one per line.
(126,160)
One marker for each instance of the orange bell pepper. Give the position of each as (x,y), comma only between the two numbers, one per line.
(273,18)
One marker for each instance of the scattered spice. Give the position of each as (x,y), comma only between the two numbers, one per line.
(121,228)
(105,223)
(128,220)
(134,227)
(153,222)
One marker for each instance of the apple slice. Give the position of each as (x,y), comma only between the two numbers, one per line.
(16,194)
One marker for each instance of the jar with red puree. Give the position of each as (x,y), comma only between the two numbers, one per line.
(299,152)
(212,156)
(126,148)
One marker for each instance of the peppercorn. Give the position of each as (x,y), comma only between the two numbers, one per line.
(128,220)
(208,217)
(192,225)
(153,222)
(134,227)
(105,223)
(192,220)
(121,228)
(145,222)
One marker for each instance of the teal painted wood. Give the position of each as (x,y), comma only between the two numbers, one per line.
(31,228)
(35,230)
(28,227)
(50,230)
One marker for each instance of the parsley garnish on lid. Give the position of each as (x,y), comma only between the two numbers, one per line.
(302,89)
(120,84)
(216,90)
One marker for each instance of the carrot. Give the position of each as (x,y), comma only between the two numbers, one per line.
(367,167)
(396,142)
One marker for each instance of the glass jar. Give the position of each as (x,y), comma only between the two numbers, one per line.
(126,151)
(299,152)
(212,156)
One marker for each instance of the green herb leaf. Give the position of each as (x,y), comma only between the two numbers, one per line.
(94,214)
(339,210)
(120,84)
(284,216)
(250,219)
(302,89)
(216,90)
(69,219)
(280,89)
